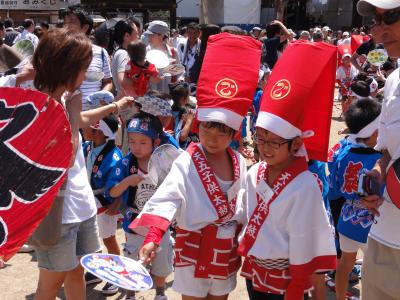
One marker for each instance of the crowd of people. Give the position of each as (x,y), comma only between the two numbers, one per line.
(244,188)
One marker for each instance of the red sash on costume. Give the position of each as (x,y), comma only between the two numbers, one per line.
(224,208)
(212,257)
(261,212)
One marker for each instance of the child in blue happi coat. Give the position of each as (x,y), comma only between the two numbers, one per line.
(358,156)
(101,156)
(128,179)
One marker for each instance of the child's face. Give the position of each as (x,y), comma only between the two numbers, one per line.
(273,149)
(140,145)
(213,140)
(91,134)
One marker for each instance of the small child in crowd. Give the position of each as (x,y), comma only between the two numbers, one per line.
(101,156)
(128,179)
(355,221)
(182,116)
(344,77)
(139,70)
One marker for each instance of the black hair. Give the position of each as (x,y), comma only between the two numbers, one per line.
(272,30)
(362,76)
(112,122)
(137,51)
(193,25)
(81,14)
(233,30)
(220,126)
(183,30)
(150,119)
(317,36)
(135,21)
(45,24)
(118,32)
(388,65)
(361,88)
(1,25)
(361,113)
(9,22)
(178,91)
(27,23)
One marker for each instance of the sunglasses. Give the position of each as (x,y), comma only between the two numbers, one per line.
(388,17)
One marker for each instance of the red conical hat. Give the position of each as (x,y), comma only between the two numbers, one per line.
(228,79)
(298,98)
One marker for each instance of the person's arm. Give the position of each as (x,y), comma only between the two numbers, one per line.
(285,34)
(73,106)
(92,116)
(354,61)
(186,129)
(107,84)
(373,202)
(120,188)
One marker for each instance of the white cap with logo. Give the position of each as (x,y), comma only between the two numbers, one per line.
(368,7)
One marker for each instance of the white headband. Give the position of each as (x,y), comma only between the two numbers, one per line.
(105,129)
(366,132)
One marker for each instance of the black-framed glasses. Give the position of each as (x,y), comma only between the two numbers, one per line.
(388,17)
(272,144)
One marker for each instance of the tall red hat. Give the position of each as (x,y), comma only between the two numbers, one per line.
(228,79)
(298,98)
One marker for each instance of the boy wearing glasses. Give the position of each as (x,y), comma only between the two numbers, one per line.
(288,236)
(381,265)
(203,189)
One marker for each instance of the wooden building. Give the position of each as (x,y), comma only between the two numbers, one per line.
(147,10)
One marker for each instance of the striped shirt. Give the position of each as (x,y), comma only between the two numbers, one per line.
(100,63)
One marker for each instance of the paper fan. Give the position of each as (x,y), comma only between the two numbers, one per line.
(157,58)
(160,163)
(377,57)
(121,271)
(35,152)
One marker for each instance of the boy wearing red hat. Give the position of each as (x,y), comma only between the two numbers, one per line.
(288,236)
(203,186)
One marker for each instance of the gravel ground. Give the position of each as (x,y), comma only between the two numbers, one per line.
(19,278)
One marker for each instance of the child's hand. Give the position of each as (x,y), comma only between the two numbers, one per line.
(134,179)
(148,253)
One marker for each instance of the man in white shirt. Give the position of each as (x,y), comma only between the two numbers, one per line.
(27,34)
(381,268)
(188,50)
(345,40)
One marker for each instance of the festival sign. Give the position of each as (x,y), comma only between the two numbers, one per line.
(30,4)
(35,152)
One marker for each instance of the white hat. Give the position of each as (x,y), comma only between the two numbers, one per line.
(325,28)
(368,7)
(346,55)
(346,33)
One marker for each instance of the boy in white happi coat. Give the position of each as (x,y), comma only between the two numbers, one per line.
(201,190)
(288,236)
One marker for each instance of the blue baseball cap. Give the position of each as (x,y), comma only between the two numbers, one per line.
(143,126)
